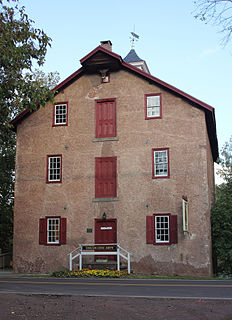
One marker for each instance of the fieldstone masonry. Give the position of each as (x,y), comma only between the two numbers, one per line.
(182,129)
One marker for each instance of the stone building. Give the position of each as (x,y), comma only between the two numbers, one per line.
(120,157)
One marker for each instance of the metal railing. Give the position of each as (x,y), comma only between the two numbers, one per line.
(98,250)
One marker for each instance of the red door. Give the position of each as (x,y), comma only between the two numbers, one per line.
(105,177)
(105,233)
(105,111)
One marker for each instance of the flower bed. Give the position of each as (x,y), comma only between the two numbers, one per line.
(86,273)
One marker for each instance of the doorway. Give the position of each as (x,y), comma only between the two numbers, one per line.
(105,233)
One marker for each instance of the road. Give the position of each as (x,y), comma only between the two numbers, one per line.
(199,289)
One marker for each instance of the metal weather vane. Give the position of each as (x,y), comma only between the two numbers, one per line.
(134,38)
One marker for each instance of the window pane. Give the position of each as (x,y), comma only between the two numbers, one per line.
(161,163)
(153,106)
(60,114)
(53,230)
(162,229)
(54,169)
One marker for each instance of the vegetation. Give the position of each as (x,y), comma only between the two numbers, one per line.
(216,12)
(21,87)
(86,273)
(222,216)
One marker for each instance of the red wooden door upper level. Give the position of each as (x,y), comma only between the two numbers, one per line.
(105,118)
(105,177)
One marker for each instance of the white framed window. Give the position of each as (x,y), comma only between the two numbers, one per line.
(162,234)
(185,214)
(160,163)
(161,229)
(54,168)
(53,230)
(153,106)
(60,114)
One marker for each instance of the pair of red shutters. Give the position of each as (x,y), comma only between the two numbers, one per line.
(43,231)
(150,230)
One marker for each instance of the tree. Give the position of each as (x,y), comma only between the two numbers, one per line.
(216,12)
(21,87)
(222,215)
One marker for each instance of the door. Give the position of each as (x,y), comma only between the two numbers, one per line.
(105,233)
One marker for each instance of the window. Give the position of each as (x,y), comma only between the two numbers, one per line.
(105,118)
(162,229)
(60,114)
(54,168)
(106,78)
(105,177)
(52,231)
(185,214)
(160,163)
(153,106)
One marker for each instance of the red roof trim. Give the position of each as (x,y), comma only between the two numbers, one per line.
(21,115)
(100,48)
(210,121)
(148,76)
(57,88)
(70,78)
(168,86)
(127,66)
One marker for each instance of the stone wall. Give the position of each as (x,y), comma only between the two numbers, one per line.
(182,129)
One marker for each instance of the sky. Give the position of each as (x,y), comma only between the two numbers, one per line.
(177,48)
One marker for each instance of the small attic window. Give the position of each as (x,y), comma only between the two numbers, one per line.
(106,79)
(105,76)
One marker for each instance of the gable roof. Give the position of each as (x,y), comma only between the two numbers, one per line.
(101,58)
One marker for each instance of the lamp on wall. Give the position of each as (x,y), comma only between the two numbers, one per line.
(104,216)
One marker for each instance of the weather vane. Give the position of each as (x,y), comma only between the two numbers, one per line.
(134,38)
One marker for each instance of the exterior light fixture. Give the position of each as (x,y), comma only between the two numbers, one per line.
(104,216)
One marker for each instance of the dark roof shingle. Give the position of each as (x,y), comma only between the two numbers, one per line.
(132,57)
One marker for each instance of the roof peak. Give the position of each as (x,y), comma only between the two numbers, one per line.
(132,56)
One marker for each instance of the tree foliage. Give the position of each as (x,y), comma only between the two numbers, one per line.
(216,12)
(21,87)
(222,215)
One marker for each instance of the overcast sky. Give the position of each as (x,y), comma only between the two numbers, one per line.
(178,49)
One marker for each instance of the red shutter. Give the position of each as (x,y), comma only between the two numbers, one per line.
(173,229)
(105,114)
(150,229)
(43,231)
(63,229)
(105,177)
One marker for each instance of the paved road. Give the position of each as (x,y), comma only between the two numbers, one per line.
(200,289)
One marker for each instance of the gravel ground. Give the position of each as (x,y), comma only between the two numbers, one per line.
(53,307)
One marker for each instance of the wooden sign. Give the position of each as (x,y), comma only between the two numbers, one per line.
(99,247)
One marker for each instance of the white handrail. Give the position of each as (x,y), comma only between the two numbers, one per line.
(92,251)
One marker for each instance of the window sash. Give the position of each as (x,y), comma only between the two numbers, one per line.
(161,163)
(153,106)
(60,114)
(162,229)
(54,168)
(53,230)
